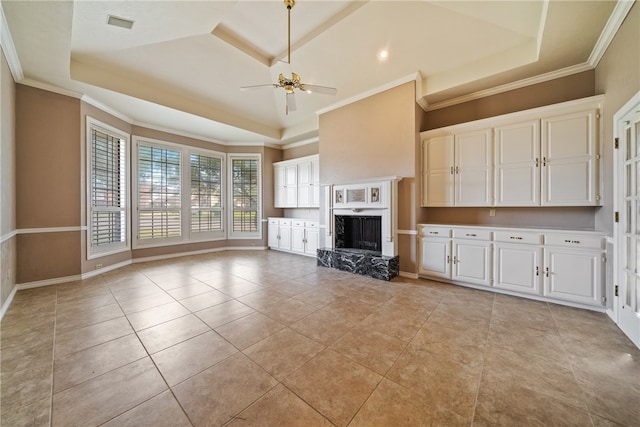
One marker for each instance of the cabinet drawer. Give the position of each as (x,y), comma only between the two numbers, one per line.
(284,222)
(311,224)
(472,234)
(298,223)
(274,221)
(518,237)
(434,231)
(574,241)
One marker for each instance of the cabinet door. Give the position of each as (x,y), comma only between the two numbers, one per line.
(315,184)
(517,164)
(297,239)
(291,185)
(435,257)
(279,189)
(285,238)
(311,245)
(517,267)
(272,233)
(437,166)
(573,275)
(569,160)
(472,262)
(474,169)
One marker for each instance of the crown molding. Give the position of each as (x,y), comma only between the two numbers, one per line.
(9,49)
(300,143)
(614,22)
(49,88)
(103,107)
(411,77)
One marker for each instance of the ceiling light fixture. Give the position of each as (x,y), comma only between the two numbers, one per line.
(120,22)
(383,54)
(289,84)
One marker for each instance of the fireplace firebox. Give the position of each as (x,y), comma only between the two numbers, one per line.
(359,233)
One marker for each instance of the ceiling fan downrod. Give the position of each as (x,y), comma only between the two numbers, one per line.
(289,4)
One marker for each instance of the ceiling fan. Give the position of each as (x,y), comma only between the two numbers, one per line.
(290,84)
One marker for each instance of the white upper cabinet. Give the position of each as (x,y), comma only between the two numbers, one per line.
(569,160)
(297,183)
(548,156)
(474,169)
(517,164)
(438,171)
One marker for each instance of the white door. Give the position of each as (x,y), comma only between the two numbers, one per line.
(312,237)
(517,164)
(279,188)
(628,229)
(305,181)
(573,275)
(285,237)
(291,185)
(517,267)
(438,178)
(435,257)
(272,233)
(569,162)
(474,169)
(297,239)
(472,262)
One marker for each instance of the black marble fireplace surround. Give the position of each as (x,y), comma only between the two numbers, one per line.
(358,243)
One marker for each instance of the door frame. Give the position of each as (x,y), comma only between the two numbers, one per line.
(619,125)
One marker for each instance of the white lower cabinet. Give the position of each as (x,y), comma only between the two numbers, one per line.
(291,235)
(472,262)
(547,264)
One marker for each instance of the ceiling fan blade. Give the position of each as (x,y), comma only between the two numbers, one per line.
(291,101)
(319,89)
(245,88)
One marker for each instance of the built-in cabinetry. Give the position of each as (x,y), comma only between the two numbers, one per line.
(547,156)
(562,266)
(297,183)
(293,235)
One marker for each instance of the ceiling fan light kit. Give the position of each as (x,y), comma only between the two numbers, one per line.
(289,84)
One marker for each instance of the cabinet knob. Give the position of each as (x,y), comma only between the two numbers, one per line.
(451,170)
(544,161)
(433,232)
(546,272)
(471,235)
(537,270)
(515,238)
(448,259)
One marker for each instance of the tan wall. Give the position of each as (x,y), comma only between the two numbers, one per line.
(48,183)
(564,89)
(375,137)
(618,77)
(301,151)
(8,253)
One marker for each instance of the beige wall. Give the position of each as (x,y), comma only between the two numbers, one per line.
(618,77)
(8,253)
(300,151)
(376,137)
(48,183)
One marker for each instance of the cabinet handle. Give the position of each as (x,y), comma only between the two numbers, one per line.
(537,161)
(537,270)
(448,259)
(573,241)
(471,235)
(433,232)
(546,272)
(457,170)
(516,237)
(451,170)
(455,260)
(544,161)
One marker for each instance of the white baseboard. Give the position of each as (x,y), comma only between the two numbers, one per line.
(7,303)
(200,252)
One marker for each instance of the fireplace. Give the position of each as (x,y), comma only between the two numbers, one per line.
(358,233)
(361,228)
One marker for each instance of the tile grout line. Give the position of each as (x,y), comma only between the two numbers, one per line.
(53,359)
(484,359)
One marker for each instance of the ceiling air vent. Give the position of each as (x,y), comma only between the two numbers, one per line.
(120,22)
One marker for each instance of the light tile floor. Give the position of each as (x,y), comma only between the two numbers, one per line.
(270,339)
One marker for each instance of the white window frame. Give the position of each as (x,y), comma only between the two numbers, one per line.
(233,235)
(186,235)
(116,247)
(159,241)
(198,236)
